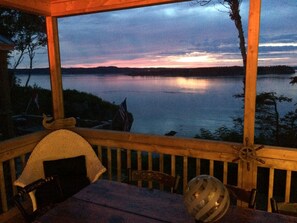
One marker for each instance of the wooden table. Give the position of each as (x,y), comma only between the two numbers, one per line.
(110,201)
(114,202)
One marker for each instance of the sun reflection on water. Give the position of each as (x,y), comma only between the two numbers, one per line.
(192,84)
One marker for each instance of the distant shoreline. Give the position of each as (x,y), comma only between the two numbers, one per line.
(167,72)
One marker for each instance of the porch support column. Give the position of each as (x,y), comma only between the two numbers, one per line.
(248,177)
(55,66)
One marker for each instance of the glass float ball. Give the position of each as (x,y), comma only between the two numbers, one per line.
(206,198)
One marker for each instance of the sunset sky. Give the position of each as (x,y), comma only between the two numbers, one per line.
(174,35)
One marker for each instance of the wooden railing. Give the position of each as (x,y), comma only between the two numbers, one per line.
(185,157)
(13,156)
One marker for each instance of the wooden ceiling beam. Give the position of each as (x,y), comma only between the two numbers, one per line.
(75,7)
(60,8)
(40,7)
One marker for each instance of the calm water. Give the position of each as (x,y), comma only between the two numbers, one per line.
(184,105)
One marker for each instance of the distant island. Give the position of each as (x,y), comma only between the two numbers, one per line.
(183,72)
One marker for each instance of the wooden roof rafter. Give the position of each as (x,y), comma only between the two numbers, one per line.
(40,7)
(61,8)
(75,7)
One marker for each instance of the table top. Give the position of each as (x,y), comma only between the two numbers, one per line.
(113,202)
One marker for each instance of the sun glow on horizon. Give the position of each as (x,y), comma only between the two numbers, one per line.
(195,57)
(188,60)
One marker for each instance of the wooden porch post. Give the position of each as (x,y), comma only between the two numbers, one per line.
(55,67)
(248,177)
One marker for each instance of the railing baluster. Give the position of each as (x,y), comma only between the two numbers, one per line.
(198,166)
(139,165)
(128,159)
(288,185)
(99,152)
(3,190)
(150,167)
(119,165)
(109,164)
(185,172)
(161,168)
(173,168)
(270,187)
(239,176)
(225,172)
(211,167)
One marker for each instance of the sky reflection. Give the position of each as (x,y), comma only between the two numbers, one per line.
(162,104)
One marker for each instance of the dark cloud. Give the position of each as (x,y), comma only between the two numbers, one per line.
(174,35)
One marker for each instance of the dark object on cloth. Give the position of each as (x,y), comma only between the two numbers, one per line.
(72,173)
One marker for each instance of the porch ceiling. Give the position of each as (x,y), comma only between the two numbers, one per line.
(61,8)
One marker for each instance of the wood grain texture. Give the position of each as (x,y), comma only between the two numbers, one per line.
(141,201)
(78,211)
(55,66)
(41,7)
(108,201)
